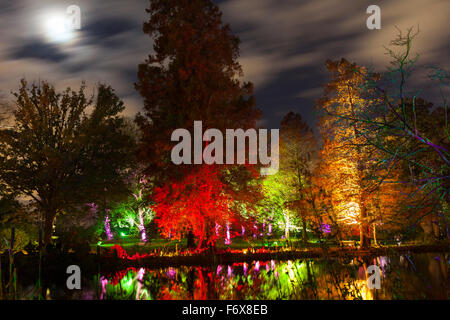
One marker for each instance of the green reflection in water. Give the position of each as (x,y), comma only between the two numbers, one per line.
(403,277)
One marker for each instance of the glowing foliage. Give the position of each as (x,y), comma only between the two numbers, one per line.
(135,213)
(195,204)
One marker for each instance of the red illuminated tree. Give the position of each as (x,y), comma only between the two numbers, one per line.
(193,74)
(195,205)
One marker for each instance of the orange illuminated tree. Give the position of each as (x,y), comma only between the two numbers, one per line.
(364,190)
(350,163)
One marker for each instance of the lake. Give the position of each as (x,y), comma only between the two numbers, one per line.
(415,276)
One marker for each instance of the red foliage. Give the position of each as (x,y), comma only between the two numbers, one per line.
(196,203)
(121,253)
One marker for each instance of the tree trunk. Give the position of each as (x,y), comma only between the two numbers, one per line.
(287,222)
(374,235)
(190,240)
(142,232)
(48,228)
(430,229)
(305,235)
(363,238)
(364,241)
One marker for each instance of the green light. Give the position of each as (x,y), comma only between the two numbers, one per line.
(99,243)
(123,234)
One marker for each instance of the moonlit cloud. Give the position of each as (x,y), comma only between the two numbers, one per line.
(107,49)
(284,44)
(287,42)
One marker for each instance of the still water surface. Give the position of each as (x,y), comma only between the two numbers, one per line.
(419,276)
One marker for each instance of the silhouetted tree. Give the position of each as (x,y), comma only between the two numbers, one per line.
(64,148)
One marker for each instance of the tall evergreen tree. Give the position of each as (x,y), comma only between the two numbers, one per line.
(192,75)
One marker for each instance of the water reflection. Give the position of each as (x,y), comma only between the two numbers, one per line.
(402,277)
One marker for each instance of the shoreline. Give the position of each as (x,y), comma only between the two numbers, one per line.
(208,259)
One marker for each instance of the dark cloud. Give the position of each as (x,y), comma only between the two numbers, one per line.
(38,50)
(277,100)
(104,30)
(12,7)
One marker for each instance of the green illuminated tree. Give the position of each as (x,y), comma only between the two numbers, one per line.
(297,161)
(274,206)
(284,191)
(135,212)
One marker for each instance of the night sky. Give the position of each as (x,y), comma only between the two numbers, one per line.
(284,44)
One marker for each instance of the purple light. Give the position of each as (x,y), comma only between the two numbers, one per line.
(171,273)
(217,229)
(141,274)
(228,239)
(219,268)
(142,231)
(140,277)
(325,228)
(108,228)
(93,207)
(103,282)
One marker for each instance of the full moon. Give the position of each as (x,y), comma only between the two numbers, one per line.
(57,29)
